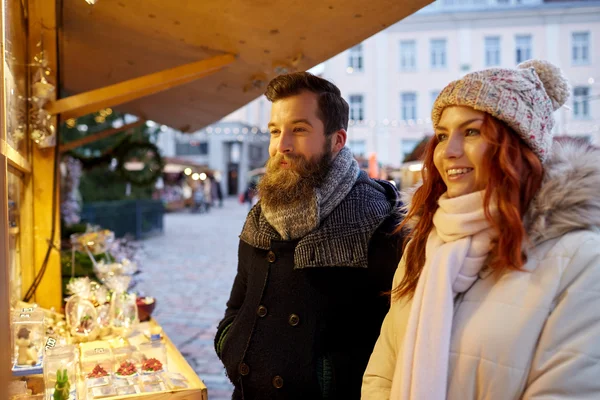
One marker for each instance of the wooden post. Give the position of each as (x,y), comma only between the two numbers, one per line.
(42,29)
(5,348)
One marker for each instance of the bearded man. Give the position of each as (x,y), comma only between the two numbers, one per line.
(316,255)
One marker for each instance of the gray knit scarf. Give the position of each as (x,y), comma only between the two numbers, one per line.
(342,239)
(295,220)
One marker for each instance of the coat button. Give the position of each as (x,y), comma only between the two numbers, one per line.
(271,257)
(293,319)
(278,382)
(244,369)
(261,311)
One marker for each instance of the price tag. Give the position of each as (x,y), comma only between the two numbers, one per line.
(25,316)
(27,310)
(99,350)
(50,343)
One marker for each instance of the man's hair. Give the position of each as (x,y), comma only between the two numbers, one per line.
(333,109)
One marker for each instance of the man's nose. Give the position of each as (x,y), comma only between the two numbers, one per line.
(285,143)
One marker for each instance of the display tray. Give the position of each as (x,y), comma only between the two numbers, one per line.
(196,389)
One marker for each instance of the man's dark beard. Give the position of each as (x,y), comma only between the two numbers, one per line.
(284,186)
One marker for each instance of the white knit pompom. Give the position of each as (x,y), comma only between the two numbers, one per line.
(555,84)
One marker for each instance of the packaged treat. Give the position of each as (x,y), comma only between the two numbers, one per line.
(155,378)
(103,391)
(60,375)
(175,380)
(153,387)
(97,372)
(154,357)
(28,338)
(131,389)
(126,369)
(97,362)
(96,382)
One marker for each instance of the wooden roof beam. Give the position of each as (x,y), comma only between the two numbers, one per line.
(123,92)
(99,135)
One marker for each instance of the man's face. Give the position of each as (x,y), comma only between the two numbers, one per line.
(300,152)
(296,129)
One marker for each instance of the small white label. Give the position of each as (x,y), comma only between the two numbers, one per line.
(27,310)
(25,315)
(50,343)
(99,350)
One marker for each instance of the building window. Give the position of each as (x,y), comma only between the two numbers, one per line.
(191,148)
(434,96)
(357,111)
(409,106)
(523,48)
(581,48)
(438,53)
(355,59)
(581,105)
(492,51)
(358,147)
(408,55)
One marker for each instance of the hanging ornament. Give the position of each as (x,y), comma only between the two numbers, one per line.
(43,131)
(43,91)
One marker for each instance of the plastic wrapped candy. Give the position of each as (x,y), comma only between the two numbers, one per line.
(96,242)
(124,313)
(98,296)
(60,375)
(154,357)
(106,270)
(28,338)
(82,319)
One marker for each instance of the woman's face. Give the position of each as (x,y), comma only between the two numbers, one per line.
(460,152)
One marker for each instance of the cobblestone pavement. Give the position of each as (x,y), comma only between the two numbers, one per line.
(190,270)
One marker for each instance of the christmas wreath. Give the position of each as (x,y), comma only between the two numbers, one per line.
(143,152)
(129,151)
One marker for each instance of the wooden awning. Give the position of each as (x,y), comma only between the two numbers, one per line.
(246,42)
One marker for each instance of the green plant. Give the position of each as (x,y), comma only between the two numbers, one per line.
(62,386)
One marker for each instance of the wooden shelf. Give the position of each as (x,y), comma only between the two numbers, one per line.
(14,158)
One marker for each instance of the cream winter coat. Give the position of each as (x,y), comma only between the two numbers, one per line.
(525,335)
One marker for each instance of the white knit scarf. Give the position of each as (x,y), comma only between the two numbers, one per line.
(456,249)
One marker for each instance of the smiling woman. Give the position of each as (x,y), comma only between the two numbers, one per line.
(460,153)
(497,197)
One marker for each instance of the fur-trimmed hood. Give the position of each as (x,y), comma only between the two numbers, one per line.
(569,198)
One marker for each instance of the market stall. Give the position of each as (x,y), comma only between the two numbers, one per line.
(185,66)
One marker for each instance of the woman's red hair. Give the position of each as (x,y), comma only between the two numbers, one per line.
(515,176)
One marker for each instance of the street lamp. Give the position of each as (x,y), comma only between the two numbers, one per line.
(202,176)
(187,171)
(195,176)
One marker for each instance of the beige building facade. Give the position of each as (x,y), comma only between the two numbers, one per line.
(391,79)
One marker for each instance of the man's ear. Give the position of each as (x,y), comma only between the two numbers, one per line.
(339,140)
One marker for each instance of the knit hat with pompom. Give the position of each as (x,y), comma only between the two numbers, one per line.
(525,98)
